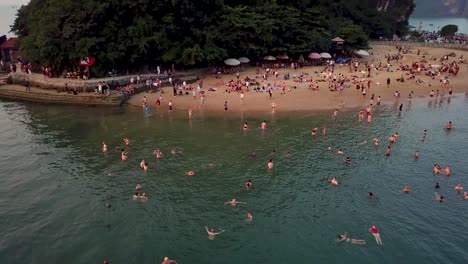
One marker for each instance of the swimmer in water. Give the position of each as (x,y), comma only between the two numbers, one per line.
(138,187)
(437,169)
(158,154)
(145,167)
(334,181)
(388,152)
(449,125)
(126,141)
(348,160)
(270,165)
(287,154)
(447,171)
(264,125)
(212,233)
(136,196)
(416,154)
(245,127)
(324,131)
(314,132)
(391,139)
(168,261)
(248,185)
(376,141)
(344,238)
(104,147)
(406,189)
(249,217)
(328,149)
(395,136)
(459,188)
(233,202)
(190,113)
(376,234)
(211,165)
(143,197)
(123,155)
(173,151)
(253,154)
(360,116)
(340,152)
(142,164)
(436,185)
(370,195)
(191,173)
(273,152)
(334,115)
(465,195)
(439,198)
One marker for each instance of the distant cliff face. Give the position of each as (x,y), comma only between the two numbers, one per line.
(441,8)
(400,10)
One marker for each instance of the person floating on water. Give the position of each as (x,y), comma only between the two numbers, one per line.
(344,238)
(334,181)
(212,233)
(249,217)
(449,125)
(376,234)
(270,165)
(233,202)
(123,155)
(168,261)
(248,185)
(406,189)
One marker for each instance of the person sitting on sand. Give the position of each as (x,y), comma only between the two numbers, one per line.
(406,189)
(344,238)
(459,188)
(334,181)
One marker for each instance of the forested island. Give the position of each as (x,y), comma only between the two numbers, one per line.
(123,34)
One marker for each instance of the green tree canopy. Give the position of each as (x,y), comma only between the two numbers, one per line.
(448,30)
(128,34)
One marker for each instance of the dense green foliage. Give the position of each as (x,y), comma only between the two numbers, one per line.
(448,30)
(131,33)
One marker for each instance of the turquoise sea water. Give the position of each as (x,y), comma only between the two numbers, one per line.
(435,24)
(56,182)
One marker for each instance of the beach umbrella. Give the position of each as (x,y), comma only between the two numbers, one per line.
(325,55)
(269,58)
(314,56)
(244,60)
(361,53)
(282,57)
(232,62)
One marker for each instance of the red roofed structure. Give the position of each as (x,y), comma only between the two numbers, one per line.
(9,51)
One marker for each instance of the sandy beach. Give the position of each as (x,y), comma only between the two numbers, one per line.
(303,98)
